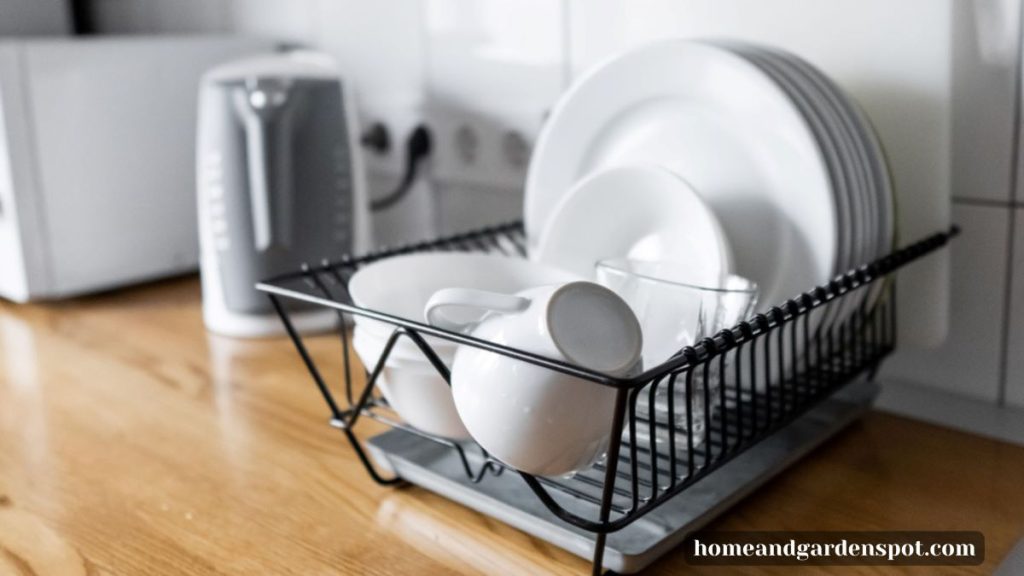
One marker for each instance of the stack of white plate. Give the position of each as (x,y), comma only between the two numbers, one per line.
(787,162)
(856,162)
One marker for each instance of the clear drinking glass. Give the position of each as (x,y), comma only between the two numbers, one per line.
(673,314)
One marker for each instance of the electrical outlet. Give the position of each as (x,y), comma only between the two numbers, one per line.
(490,149)
(493,68)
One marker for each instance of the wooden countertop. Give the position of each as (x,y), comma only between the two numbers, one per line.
(132,442)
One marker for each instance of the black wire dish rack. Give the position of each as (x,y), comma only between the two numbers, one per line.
(772,388)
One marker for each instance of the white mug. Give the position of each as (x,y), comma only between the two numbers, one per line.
(535,419)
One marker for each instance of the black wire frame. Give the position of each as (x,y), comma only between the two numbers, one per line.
(739,387)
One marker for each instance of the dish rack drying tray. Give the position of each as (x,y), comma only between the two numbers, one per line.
(784,381)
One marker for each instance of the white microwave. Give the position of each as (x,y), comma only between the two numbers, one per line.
(97,152)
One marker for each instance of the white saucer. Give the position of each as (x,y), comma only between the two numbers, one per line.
(638,212)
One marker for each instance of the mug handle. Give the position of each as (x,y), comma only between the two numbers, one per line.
(469,298)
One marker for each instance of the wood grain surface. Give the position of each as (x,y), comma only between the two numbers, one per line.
(133,442)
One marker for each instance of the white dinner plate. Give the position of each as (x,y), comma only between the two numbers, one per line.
(877,166)
(835,151)
(874,163)
(842,170)
(841,166)
(661,219)
(858,185)
(863,185)
(725,127)
(860,189)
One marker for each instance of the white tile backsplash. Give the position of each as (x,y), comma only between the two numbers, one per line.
(380,48)
(379,45)
(493,69)
(123,16)
(161,16)
(986,36)
(191,16)
(465,207)
(968,363)
(294,20)
(488,55)
(411,220)
(1015,346)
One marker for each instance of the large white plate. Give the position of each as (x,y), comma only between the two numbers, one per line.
(871,148)
(725,127)
(842,168)
(834,150)
(862,185)
(874,162)
(859,187)
(663,220)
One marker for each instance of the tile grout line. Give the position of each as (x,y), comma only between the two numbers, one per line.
(1004,355)
(987,202)
(567,34)
(1004,352)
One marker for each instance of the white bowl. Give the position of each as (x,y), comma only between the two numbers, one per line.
(413,386)
(404,349)
(401,286)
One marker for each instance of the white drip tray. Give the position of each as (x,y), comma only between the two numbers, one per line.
(508,498)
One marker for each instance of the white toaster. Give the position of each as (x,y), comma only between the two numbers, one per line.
(97,160)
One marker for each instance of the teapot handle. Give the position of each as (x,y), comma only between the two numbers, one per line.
(469,298)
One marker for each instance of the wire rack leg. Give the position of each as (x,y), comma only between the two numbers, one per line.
(370,469)
(609,477)
(599,545)
(337,417)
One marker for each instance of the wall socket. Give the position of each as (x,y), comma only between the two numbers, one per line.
(493,69)
(489,150)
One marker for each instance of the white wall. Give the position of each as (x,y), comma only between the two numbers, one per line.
(977,359)
(451,61)
(405,59)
